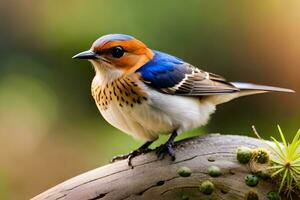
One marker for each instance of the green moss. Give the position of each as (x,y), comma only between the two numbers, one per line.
(243,155)
(207,187)
(264,174)
(273,196)
(261,155)
(184,171)
(214,171)
(251,180)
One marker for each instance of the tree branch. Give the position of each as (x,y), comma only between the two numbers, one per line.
(158,179)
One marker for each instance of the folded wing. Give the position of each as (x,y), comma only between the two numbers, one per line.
(171,75)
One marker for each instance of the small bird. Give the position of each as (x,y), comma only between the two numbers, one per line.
(146,93)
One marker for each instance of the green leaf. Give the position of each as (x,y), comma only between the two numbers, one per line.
(282,137)
(277,172)
(280,153)
(283,180)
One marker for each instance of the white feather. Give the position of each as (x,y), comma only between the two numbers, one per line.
(161,114)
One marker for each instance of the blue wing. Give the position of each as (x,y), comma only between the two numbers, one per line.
(172,75)
(163,70)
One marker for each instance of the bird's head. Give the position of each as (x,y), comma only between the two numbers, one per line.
(117,53)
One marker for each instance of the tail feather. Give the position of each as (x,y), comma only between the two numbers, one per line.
(245,90)
(251,86)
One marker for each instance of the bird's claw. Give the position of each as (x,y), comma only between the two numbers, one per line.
(120,157)
(165,149)
(130,156)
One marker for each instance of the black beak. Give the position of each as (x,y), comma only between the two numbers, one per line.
(89,55)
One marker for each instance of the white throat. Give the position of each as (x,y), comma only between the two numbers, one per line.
(105,73)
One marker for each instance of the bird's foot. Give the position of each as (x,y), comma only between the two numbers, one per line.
(120,157)
(130,155)
(164,149)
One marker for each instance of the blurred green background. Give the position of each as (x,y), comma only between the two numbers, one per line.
(50,128)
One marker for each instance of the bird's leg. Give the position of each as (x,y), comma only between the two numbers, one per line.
(141,150)
(167,148)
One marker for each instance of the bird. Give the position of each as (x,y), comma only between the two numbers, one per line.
(147,93)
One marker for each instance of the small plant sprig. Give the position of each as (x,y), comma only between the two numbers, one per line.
(286,163)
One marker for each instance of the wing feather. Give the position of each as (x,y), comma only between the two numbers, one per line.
(171,75)
(200,83)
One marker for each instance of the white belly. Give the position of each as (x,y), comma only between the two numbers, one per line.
(160,114)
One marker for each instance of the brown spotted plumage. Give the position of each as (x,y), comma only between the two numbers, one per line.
(125,91)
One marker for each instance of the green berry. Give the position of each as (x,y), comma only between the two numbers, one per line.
(273,196)
(184,171)
(243,155)
(207,187)
(252,195)
(251,180)
(214,171)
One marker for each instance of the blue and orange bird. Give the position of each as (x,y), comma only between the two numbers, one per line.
(146,93)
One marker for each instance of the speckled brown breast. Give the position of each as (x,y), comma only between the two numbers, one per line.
(125,91)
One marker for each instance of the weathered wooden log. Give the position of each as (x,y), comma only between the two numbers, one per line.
(158,179)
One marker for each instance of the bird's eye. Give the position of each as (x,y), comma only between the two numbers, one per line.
(117,52)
